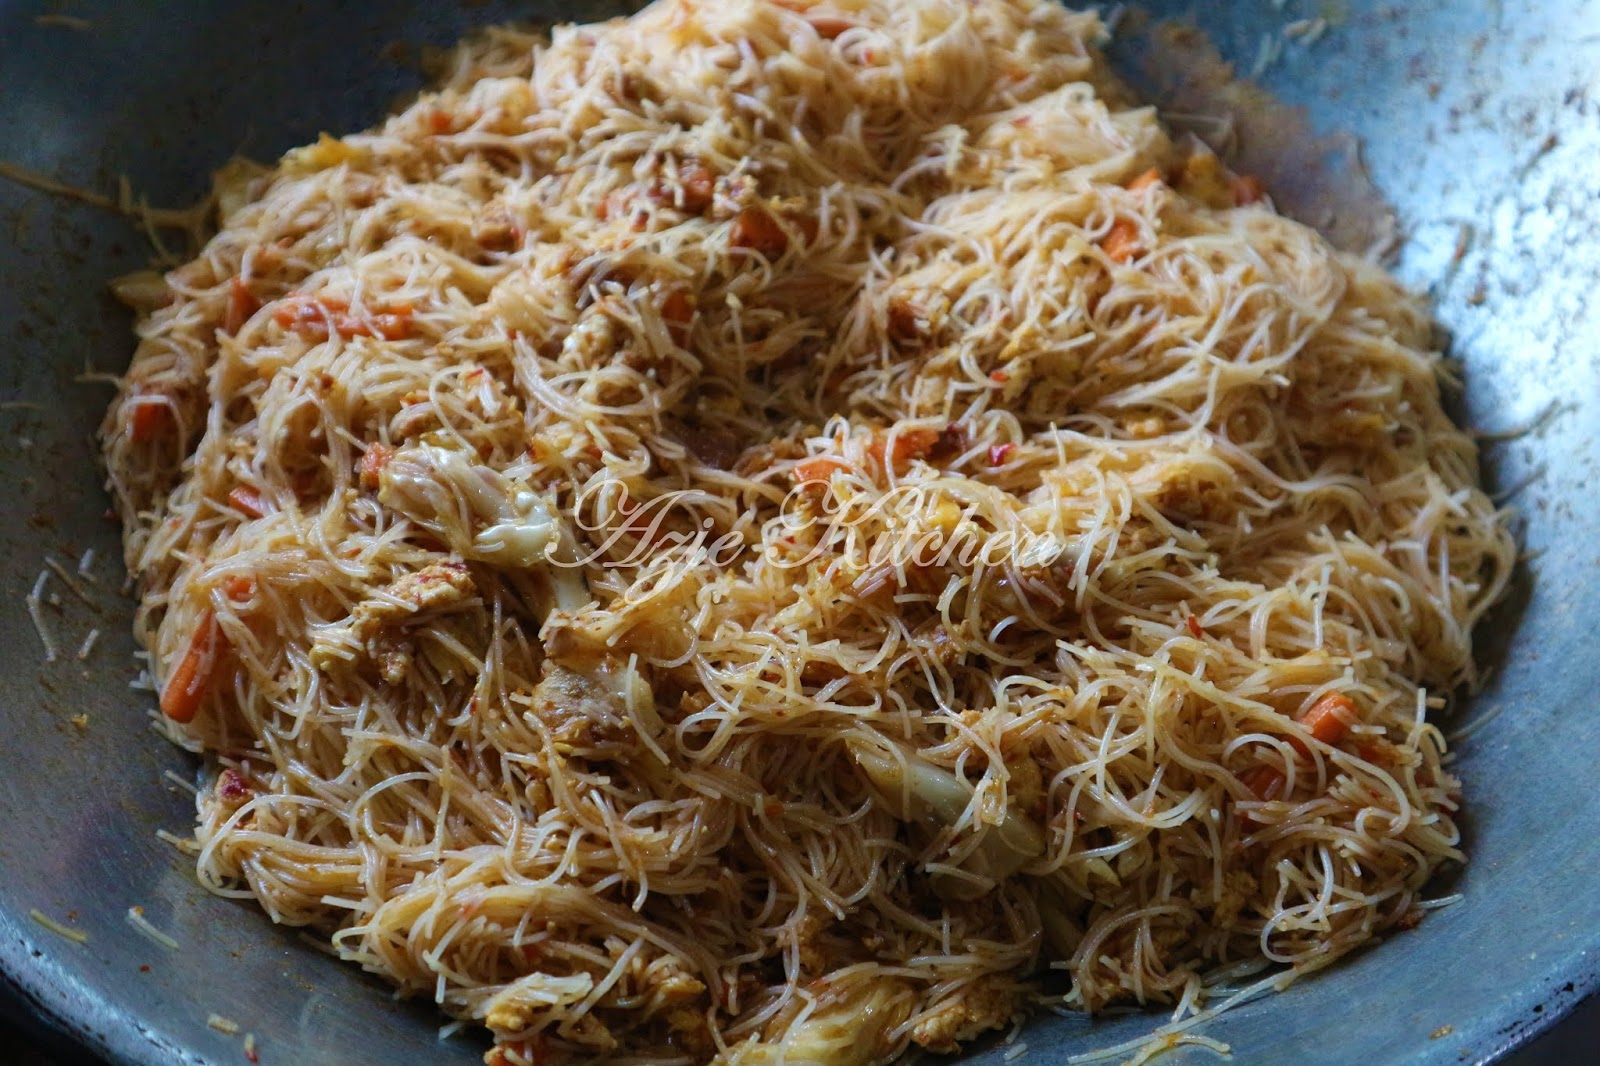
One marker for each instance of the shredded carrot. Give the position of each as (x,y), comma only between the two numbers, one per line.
(1122,242)
(1145,180)
(909,444)
(677,311)
(1266,782)
(316,318)
(1195,627)
(758,231)
(828,26)
(818,468)
(1373,753)
(147,420)
(186,688)
(999,377)
(1330,718)
(698,187)
(238,586)
(246,501)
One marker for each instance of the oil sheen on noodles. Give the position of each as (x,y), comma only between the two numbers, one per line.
(525,499)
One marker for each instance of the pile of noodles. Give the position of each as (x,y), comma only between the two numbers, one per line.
(758,531)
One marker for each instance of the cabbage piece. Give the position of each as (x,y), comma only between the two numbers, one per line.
(850,1029)
(917,790)
(482,513)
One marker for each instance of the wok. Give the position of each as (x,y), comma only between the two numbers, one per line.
(1478,122)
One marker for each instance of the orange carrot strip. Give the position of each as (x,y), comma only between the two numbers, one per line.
(307,315)
(698,187)
(1145,180)
(393,323)
(246,501)
(1122,242)
(1330,718)
(186,687)
(828,26)
(909,444)
(238,586)
(677,311)
(147,420)
(316,318)
(758,231)
(1267,782)
(818,468)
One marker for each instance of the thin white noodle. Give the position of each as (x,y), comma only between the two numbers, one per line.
(33,601)
(182,782)
(137,919)
(70,582)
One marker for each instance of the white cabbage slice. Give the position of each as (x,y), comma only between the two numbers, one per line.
(482,513)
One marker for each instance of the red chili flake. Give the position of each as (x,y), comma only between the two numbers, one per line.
(1195,627)
(999,377)
(998,453)
(144,968)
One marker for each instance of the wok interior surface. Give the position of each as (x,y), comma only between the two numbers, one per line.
(1476,121)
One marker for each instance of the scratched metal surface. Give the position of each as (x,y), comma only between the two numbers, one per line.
(1477,122)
